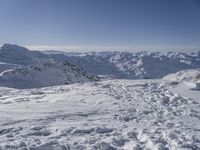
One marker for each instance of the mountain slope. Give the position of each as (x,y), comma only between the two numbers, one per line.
(190,75)
(187,78)
(45,74)
(6,66)
(20,55)
(21,68)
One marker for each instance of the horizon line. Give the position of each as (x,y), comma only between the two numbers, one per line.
(85,48)
(88,48)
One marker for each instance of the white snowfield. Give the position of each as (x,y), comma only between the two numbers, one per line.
(106,115)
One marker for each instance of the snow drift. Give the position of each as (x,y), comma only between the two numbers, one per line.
(188,78)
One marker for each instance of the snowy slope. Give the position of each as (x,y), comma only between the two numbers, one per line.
(108,115)
(6,66)
(184,75)
(188,78)
(21,68)
(42,75)
(138,65)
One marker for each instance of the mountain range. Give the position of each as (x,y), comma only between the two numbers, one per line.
(22,68)
(139,65)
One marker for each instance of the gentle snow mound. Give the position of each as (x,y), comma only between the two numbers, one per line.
(185,75)
(188,78)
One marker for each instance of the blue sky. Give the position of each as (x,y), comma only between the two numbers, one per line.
(100,24)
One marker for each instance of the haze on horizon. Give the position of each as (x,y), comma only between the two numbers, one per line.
(101,25)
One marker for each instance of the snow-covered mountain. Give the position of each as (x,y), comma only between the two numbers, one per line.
(44,74)
(140,65)
(21,68)
(120,65)
(15,54)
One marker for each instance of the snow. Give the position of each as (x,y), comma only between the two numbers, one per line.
(121,65)
(184,75)
(2,63)
(114,114)
(138,65)
(47,103)
(43,75)
(6,71)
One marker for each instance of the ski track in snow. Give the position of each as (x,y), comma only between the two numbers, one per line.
(108,115)
(1,74)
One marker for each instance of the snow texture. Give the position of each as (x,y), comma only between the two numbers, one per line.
(106,115)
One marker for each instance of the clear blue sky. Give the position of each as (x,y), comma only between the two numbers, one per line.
(100,22)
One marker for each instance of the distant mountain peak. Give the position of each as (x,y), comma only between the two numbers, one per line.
(13,47)
(16,54)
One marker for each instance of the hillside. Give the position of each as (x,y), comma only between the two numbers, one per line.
(20,55)
(44,74)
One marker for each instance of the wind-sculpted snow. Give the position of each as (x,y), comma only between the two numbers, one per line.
(108,115)
(188,78)
(184,75)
